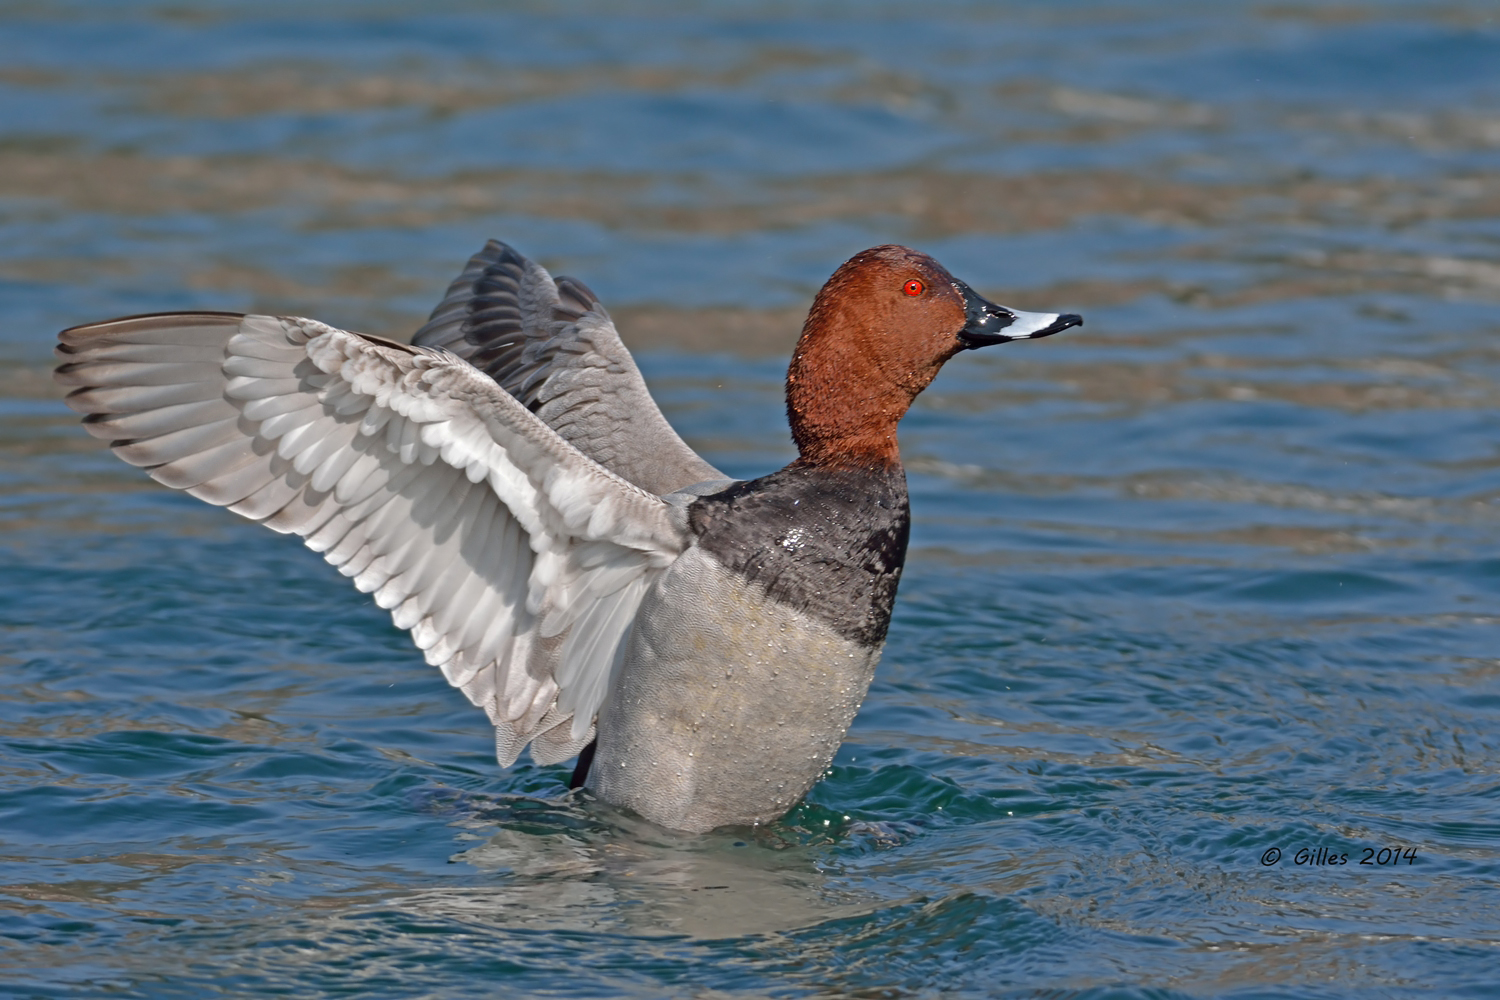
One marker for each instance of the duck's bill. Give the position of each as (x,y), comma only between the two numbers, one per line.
(990,323)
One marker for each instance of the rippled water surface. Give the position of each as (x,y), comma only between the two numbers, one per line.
(1217,574)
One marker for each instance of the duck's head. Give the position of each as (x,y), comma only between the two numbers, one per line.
(878,332)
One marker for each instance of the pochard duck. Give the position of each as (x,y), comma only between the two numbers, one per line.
(508,489)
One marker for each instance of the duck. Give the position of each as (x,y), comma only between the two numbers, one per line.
(507,488)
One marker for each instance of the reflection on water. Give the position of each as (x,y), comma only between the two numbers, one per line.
(1214,574)
(626,876)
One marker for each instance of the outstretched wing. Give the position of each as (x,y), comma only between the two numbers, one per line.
(516,562)
(552,346)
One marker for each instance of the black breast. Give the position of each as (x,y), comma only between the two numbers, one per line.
(828,542)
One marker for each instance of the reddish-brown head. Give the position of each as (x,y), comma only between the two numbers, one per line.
(877,334)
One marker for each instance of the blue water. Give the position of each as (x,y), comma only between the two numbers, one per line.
(1217,575)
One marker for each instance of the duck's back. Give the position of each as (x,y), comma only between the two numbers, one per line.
(751,655)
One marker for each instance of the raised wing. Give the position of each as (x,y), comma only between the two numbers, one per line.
(552,346)
(516,562)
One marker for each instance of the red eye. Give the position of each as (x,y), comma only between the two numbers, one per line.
(914,287)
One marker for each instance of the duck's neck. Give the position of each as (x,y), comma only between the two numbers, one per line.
(842,406)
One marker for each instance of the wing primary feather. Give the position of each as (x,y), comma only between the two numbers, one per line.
(162,420)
